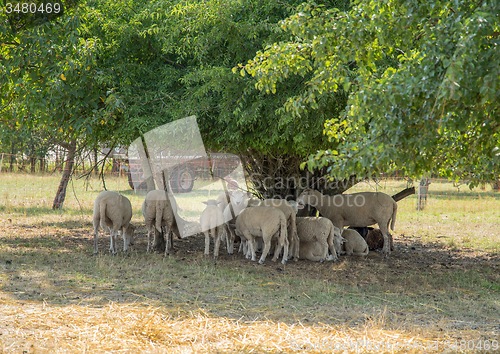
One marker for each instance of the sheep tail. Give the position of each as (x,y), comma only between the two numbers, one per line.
(159,215)
(102,212)
(394,212)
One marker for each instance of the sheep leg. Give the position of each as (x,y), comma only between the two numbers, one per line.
(265,251)
(324,250)
(96,236)
(277,250)
(126,240)
(171,239)
(168,241)
(331,247)
(250,245)
(217,237)
(96,222)
(253,249)
(125,244)
(243,247)
(333,251)
(148,247)
(158,239)
(112,239)
(207,242)
(286,247)
(385,232)
(360,254)
(295,245)
(229,239)
(312,251)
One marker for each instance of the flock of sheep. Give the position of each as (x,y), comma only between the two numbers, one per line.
(260,225)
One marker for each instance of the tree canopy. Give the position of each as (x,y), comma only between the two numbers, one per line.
(351,88)
(422,81)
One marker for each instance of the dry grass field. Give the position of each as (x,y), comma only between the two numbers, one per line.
(438,292)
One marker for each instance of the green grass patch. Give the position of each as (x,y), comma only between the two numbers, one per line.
(441,283)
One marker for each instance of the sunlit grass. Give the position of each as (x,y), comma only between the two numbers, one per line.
(468,218)
(440,286)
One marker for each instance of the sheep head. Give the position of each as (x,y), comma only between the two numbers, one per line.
(128,236)
(239,198)
(309,197)
(338,240)
(295,205)
(211,202)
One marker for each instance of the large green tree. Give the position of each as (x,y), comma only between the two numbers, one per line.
(127,67)
(55,85)
(422,81)
(205,41)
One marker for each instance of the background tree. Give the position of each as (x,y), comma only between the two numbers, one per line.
(422,81)
(135,66)
(391,84)
(53,84)
(204,42)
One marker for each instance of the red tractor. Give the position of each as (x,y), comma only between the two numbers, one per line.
(184,170)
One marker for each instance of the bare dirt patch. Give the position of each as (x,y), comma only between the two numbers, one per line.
(54,293)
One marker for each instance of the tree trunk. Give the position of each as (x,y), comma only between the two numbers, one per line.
(12,158)
(68,170)
(42,165)
(96,170)
(32,164)
(281,177)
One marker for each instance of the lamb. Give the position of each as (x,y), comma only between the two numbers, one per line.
(264,222)
(113,211)
(373,238)
(338,241)
(317,236)
(354,244)
(159,213)
(358,209)
(212,225)
(222,200)
(289,208)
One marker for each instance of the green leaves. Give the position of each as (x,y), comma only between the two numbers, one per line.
(362,88)
(422,81)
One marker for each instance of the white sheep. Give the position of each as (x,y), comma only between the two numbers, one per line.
(239,201)
(358,209)
(263,222)
(159,216)
(289,208)
(318,235)
(354,243)
(113,211)
(212,225)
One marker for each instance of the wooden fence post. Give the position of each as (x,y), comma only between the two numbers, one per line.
(423,188)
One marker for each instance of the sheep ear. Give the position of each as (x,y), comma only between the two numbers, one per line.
(205,203)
